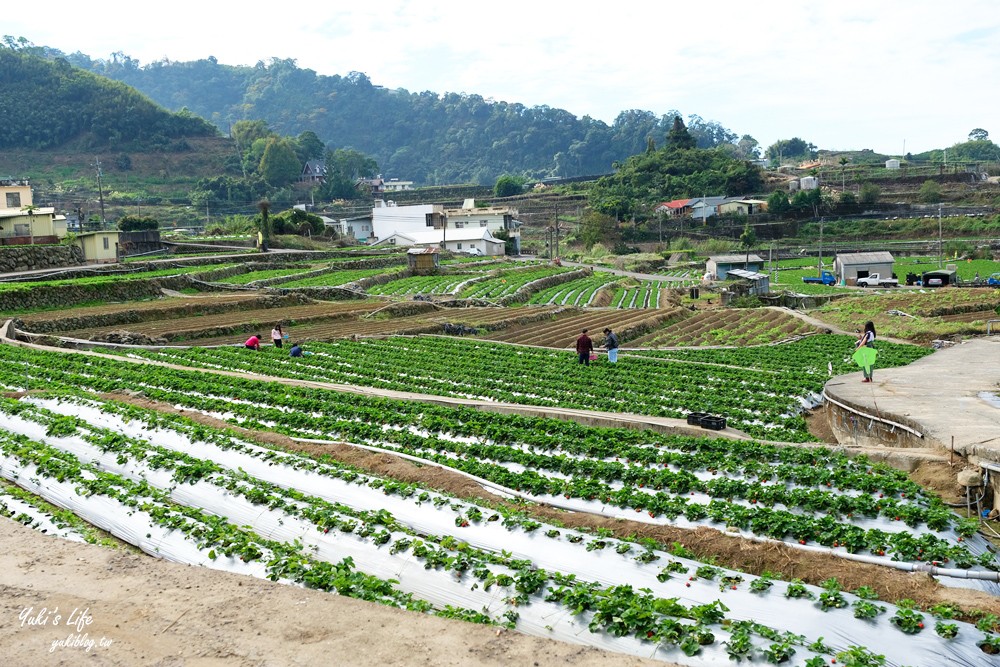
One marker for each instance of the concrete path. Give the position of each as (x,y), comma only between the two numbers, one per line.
(951,394)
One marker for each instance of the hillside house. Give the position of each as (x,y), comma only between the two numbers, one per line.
(493,218)
(849,267)
(475,240)
(21,222)
(742,207)
(389,219)
(396,185)
(677,208)
(313,171)
(703,208)
(719,266)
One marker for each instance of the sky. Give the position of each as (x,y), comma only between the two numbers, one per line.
(894,76)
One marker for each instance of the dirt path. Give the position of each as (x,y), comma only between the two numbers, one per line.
(144,611)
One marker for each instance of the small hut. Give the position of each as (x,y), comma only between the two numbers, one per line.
(423,261)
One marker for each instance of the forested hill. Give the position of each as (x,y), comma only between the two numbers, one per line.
(424,137)
(49,103)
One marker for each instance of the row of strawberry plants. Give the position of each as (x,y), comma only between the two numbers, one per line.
(662,621)
(524,581)
(312,416)
(813,355)
(765,405)
(283,561)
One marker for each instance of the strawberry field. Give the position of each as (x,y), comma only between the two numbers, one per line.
(764,404)
(205,494)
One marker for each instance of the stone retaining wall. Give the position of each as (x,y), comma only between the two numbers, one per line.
(35,257)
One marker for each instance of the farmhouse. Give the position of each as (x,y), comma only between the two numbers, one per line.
(850,267)
(389,219)
(742,207)
(314,171)
(676,208)
(476,240)
(720,265)
(23,223)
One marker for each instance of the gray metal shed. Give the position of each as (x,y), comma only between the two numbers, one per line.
(756,284)
(863,264)
(719,265)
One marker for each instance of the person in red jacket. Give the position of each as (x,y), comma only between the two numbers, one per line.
(584,346)
(253,342)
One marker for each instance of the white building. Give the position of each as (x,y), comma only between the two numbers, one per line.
(389,219)
(476,240)
(396,185)
(892,163)
(493,218)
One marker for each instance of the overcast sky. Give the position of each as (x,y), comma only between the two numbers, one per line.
(890,75)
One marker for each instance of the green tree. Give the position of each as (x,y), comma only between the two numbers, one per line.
(264,224)
(679,137)
(930,192)
(748,148)
(135,223)
(790,149)
(508,186)
(599,228)
(777,204)
(309,147)
(748,239)
(869,193)
(979,134)
(279,165)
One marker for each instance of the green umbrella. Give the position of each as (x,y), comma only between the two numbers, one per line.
(865,357)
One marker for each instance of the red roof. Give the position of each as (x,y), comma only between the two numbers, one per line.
(676,203)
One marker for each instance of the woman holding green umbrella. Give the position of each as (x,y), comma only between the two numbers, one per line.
(865,352)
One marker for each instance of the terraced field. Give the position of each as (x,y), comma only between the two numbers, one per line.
(563,331)
(728,327)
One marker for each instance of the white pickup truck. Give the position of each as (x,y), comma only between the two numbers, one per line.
(875,280)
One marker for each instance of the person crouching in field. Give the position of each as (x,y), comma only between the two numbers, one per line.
(253,342)
(584,346)
(295,351)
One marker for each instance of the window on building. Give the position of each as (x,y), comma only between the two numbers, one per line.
(392,241)
(459,225)
(482,223)
(13,200)
(429,219)
(472,245)
(106,246)
(459,246)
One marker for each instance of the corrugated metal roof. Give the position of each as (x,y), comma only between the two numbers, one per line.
(735,259)
(880,257)
(749,275)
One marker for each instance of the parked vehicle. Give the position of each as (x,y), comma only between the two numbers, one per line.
(875,280)
(824,278)
(993,280)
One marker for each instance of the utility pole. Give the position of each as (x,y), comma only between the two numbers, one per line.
(557,232)
(940,245)
(100,190)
